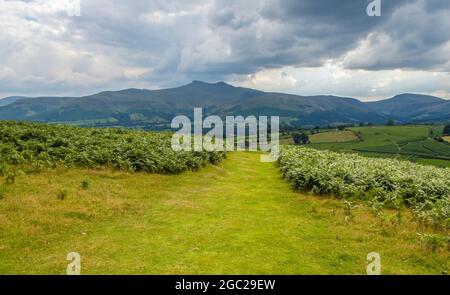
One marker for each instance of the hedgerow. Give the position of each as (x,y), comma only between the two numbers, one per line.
(35,146)
(387,183)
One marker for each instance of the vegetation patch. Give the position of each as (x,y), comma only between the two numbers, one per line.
(379,182)
(34,147)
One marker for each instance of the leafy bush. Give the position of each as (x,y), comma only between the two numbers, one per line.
(387,182)
(36,146)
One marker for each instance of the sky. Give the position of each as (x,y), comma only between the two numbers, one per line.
(306,47)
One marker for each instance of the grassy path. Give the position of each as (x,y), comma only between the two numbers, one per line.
(237,218)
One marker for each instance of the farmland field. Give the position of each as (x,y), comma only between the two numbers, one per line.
(327,137)
(404,142)
(333,136)
(446,138)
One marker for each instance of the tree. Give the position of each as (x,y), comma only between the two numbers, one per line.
(300,138)
(341,127)
(446,130)
(390,122)
(296,136)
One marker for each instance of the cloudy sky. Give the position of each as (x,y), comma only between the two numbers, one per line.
(297,46)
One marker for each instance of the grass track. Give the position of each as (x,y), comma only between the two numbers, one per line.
(236,218)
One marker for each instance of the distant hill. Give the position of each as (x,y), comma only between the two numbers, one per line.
(144,108)
(9,100)
(413,108)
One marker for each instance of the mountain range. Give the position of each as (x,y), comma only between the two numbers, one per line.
(153,108)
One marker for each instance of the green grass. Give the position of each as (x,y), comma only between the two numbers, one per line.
(239,217)
(325,137)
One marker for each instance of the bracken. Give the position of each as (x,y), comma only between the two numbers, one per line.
(35,146)
(392,183)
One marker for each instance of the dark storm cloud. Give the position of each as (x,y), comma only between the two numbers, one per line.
(415,36)
(252,35)
(306,33)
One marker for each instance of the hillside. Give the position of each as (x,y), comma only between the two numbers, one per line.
(153,108)
(413,107)
(9,100)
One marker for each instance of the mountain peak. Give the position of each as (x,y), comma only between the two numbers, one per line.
(222,83)
(201,83)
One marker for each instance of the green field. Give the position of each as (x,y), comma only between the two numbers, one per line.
(238,217)
(404,142)
(334,136)
(326,137)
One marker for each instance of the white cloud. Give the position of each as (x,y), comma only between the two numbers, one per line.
(334,79)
